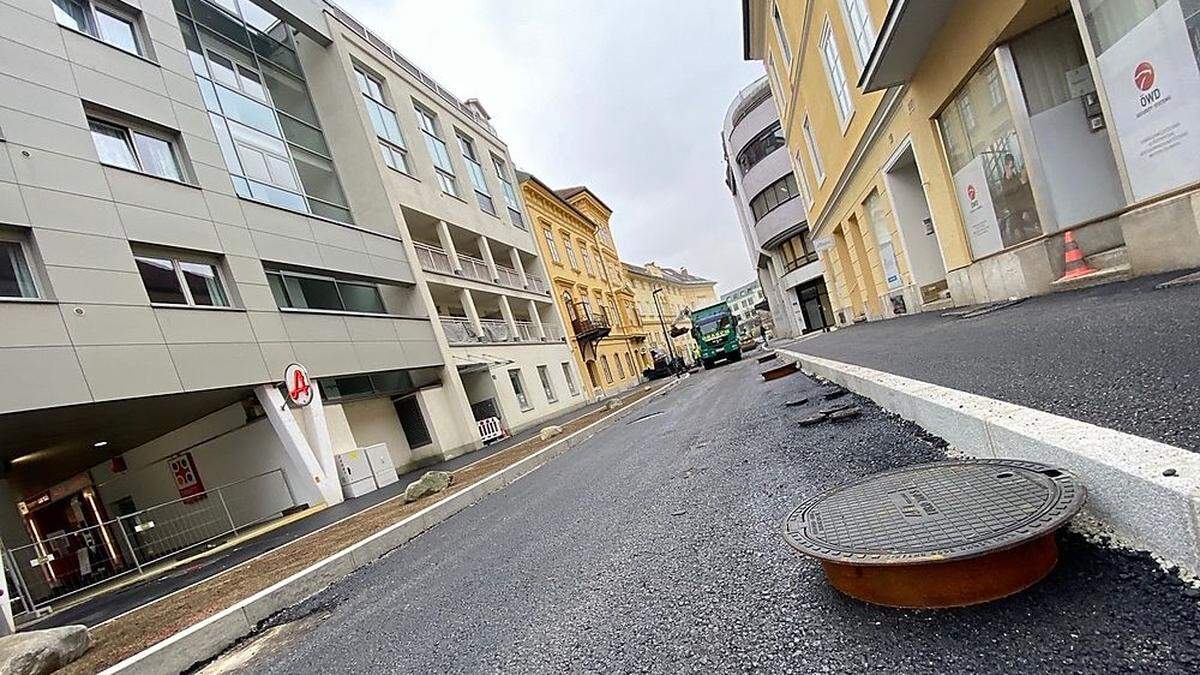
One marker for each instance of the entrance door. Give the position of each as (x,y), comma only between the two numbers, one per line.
(903,181)
(814,305)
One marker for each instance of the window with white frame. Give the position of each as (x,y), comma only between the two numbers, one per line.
(862,33)
(475,170)
(16,273)
(814,152)
(781,34)
(136,150)
(570,248)
(437,150)
(383,119)
(550,245)
(294,289)
(172,280)
(547,385)
(571,386)
(518,385)
(839,87)
(510,192)
(587,259)
(104,22)
(802,182)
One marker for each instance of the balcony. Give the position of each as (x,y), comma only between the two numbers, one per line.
(460,331)
(434,259)
(588,323)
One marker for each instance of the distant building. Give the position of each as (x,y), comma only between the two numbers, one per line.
(747,303)
(679,293)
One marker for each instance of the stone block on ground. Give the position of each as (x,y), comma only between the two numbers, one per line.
(431,482)
(549,432)
(612,404)
(35,652)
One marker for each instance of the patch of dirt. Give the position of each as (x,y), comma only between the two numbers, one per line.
(142,628)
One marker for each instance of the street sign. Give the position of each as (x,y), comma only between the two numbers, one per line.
(297,385)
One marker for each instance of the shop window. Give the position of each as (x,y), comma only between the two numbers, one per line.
(547,385)
(16,274)
(305,290)
(412,422)
(171,280)
(106,23)
(798,251)
(135,149)
(571,386)
(518,386)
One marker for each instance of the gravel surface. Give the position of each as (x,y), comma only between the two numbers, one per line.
(1123,356)
(656,547)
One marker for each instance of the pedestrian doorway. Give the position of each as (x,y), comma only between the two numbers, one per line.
(905,187)
(814,305)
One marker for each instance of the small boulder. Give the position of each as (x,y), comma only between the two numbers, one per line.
(35,652)
(612,404)
(430,483)
(549,432)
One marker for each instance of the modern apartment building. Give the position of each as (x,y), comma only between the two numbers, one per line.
(956,150)
(588,282)
(193,197)
(749,305)
(771,211)
(665,298)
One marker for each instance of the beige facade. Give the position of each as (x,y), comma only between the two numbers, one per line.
(665,312)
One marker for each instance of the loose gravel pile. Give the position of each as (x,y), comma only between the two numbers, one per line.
(656,547)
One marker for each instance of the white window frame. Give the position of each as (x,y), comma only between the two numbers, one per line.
(27,260)
(127,135)
(802,182)
(860,30)
(428,123)
(337,281)
(814,152)
(570,249)
(571,386)
(177,264)
(547,384)
(835,75)
(483,196)
(518,386)
(510,192)
(785,47)
(93,29)
(548,235)
(371,88)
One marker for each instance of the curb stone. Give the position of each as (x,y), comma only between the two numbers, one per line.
(209,637)
(1123,472)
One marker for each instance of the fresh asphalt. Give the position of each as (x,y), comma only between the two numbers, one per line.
(655,547)
(1124,356)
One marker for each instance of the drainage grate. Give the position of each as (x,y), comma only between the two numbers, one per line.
(935,512)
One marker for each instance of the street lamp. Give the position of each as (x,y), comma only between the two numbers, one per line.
(663,324)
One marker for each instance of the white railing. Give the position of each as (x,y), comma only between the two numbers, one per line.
(474,268)
(495,330)
(490,429)
(459,330)
(433,259)
(527,332)
(509,277)
(553,331)
(537,284)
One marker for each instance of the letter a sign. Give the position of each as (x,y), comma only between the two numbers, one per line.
(297,385)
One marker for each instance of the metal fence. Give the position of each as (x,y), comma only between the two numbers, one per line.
(61,564)
(459,330)
(495,330)
(474,268)
(433,259)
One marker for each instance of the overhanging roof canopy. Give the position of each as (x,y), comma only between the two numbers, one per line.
(907,32)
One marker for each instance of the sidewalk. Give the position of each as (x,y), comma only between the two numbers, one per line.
(103,607)
(1123,356)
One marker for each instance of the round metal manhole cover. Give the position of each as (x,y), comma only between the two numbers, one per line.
(935,512)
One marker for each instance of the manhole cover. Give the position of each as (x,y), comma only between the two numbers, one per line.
(942,534)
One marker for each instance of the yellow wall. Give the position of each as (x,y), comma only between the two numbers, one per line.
(585,221)
(674,299)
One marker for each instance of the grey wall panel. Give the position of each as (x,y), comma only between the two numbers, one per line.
(12,206)
(277,356)
(207,366)
(366,329)
(152,226)
(70,249)
(35,65)
(111,325)
(41,376)
(70,139)
(131,187)
(95,85)
(389,355)
(83,285)
(34,167)
(315,327)
(54,210)
(327,358)
(286,249)
(214,326)
(32,325)
(129,371)
(350,262)
(262,218)
(267,326)
(33,25)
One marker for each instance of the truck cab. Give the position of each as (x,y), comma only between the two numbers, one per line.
(714,329)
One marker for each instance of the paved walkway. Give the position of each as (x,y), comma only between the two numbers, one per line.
(655,547)
(1123,356)
(108,605)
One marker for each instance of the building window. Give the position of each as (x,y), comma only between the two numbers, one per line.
(767,141)
(416,432)
(607,372)
(781,34)
(798,251)
(437,150)
(838,86)
(105,23)
(773,195)
(862,34)
(383,119)
(814,152)
(134,150)
(570,249)
(547,386)
(172,281)
(510,193)
(587,259)
(620,366)
(304,290)
(550,245)
(16,276)
(571,386)
(475,171)
(629,362)
(518,386)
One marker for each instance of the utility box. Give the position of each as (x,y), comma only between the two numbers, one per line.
(354,473)
(382,467)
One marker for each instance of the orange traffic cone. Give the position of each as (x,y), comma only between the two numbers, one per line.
(1076,267)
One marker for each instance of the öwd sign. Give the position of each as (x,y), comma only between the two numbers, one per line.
(297,386)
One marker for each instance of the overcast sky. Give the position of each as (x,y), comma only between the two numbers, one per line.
(624,96)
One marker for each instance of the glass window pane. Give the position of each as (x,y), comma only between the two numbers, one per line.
(281,173)
(225,141)
(160,280)
(74,15)
(222,70)
(254,163)
(219,22)
(250,83)
(204,284)
(157,156)
(360,297)
(277,289)
(271,50)
(412,422)
(278,197)
(330,211)
(16,280)
(317,177)
(248,111)
(303,135)
(317,293)
(117,31)
(288,94)
(112,143)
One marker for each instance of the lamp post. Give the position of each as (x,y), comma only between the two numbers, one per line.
(662,323)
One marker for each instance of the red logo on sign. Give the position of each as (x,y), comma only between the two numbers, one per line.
(971,192)
(187,479)
(1143,76)
(299,388)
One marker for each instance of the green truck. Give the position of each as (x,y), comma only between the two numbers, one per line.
(715,331)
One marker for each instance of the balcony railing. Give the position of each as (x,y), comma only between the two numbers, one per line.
(589,322)
(554,332)
(537,284)
(460,331)
(509,277)
(434,259)
(474,268)
(495,330)
(527,332)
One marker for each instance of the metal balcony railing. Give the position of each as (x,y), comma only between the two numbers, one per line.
(537,284)
(495,330)
(459,330)
(474,268)
(554,331)
(509,277)
(587,321)
(527,332)
(433,259)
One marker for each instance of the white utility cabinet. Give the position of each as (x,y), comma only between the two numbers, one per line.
(381,464)
(354,472)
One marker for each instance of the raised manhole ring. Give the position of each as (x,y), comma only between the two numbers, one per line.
(768,357)
(779,371)
(945,534)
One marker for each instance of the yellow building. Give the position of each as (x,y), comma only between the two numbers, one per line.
(678,293)
(945,161)
(572,230)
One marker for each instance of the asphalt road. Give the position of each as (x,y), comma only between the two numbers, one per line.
(655,547)
(1123,356)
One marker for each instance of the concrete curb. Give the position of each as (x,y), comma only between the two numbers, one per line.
(209,637)
(1123,472)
